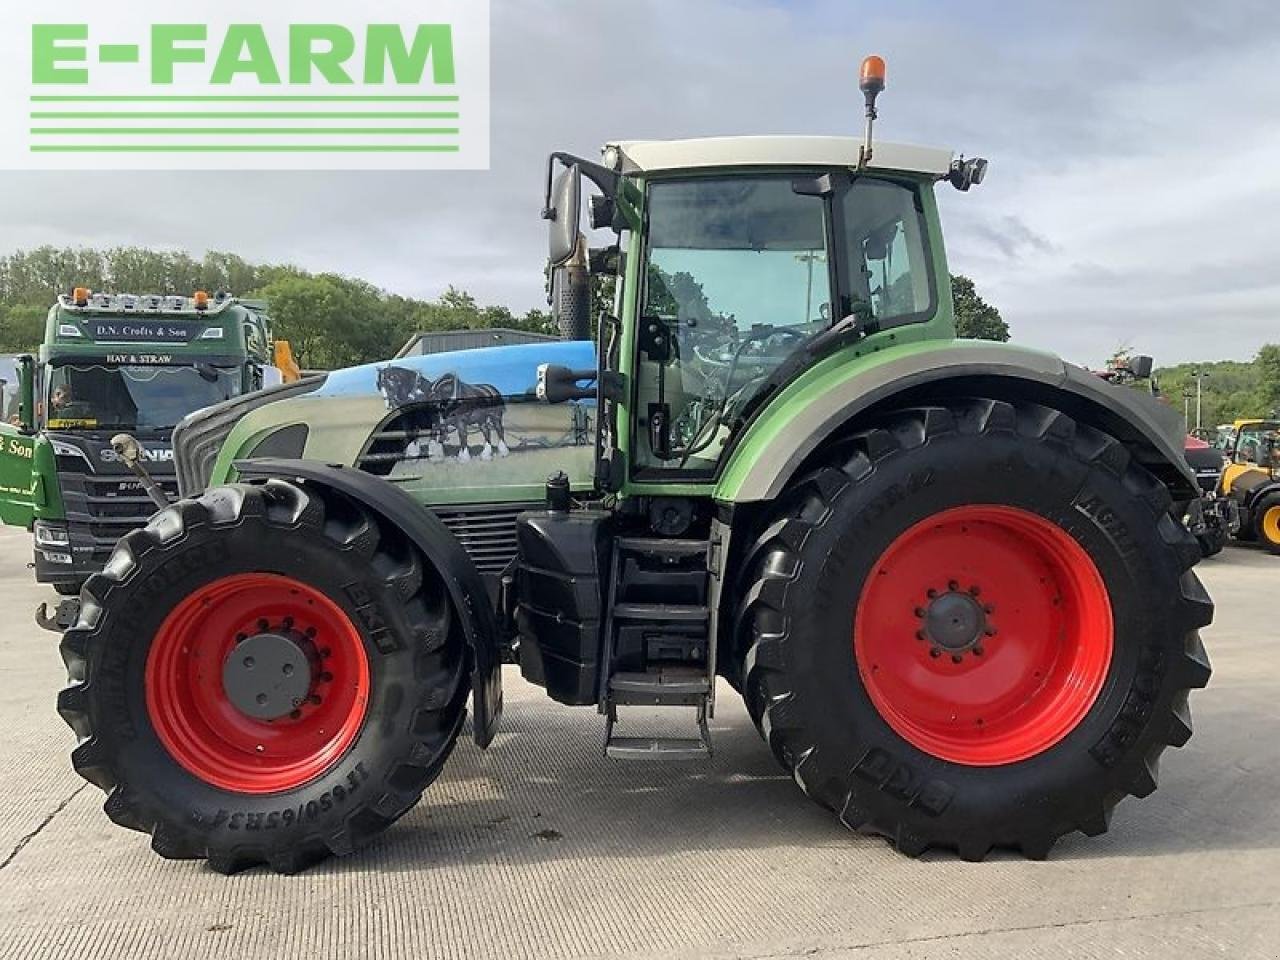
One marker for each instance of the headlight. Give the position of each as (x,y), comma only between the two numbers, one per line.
(49,535)
(213,333)
(64,449)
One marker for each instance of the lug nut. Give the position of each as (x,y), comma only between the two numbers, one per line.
(263,624)
(974,591)
(977,651)
(935,653)
(931,593)
(920,612)
(956,658)
(952,586)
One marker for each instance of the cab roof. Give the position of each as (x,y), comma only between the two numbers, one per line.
(653,156)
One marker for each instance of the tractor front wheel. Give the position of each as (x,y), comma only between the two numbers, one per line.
(975,627)
(267,674)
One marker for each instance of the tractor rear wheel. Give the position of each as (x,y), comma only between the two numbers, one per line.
(1266,524)
(266,674)
(975,627)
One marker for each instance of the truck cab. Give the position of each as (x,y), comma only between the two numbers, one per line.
(110,364)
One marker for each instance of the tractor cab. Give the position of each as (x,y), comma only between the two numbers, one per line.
(738,263)
(1253,445)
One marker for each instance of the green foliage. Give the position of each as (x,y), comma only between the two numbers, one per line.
(975,318)
(1230,389)
(330,320)
(1268,364)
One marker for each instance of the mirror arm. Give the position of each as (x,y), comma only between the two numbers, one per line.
(607,180)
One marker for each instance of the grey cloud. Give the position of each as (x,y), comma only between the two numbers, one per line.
(1107,148)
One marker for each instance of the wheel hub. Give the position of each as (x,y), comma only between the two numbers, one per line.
(268,675)
(955,622)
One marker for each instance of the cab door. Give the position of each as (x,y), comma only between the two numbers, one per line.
(17,443)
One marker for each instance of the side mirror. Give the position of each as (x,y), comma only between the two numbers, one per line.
(271,377)
(565,214)
(556,384)
(26,392)
(1140,366)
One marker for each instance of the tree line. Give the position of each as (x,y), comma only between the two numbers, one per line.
(1229,389)
(331,320)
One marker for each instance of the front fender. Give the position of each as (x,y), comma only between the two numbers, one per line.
(442,549)
(838,390)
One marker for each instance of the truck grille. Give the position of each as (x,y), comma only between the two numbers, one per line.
(109,506)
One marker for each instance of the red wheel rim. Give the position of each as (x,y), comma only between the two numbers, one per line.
(206,732)
(983,635)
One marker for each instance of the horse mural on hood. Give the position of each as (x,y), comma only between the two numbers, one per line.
(457,407)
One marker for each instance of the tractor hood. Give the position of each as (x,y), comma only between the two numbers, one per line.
(463,426)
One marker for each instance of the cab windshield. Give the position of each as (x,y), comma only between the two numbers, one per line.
(739,274)
(1257,442)
(133,398)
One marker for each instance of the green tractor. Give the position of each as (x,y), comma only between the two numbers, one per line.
(948,578)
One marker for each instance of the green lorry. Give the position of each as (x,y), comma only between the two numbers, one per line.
(112,363)
(949,579)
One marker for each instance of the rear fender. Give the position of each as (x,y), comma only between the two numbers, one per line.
(833,398)
(441,548)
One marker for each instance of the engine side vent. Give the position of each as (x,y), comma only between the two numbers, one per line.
(487,533)
(403,438)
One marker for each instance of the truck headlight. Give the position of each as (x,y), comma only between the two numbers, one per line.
(52,535)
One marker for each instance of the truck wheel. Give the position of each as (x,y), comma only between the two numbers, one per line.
(1266,524)
(267,674)
(975,627)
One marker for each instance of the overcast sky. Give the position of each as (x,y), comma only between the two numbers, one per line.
(1133,198)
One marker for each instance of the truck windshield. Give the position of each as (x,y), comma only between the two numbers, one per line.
(142,398)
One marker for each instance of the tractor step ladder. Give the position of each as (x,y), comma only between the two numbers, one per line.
(658,622)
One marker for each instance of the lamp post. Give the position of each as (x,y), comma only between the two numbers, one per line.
(1199,374)
(1186,404)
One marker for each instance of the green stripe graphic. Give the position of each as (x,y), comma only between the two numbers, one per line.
(263,115)
(243,148)
(228,98)
(233,131)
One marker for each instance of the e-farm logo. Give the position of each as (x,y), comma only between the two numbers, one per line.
(249,85)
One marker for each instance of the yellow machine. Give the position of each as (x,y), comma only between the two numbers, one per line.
(1250,480)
